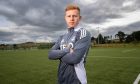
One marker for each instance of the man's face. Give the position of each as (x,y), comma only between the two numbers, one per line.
(72,18)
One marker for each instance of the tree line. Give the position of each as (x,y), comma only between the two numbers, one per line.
(26,46)
(120,37)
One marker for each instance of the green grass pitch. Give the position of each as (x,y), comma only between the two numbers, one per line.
(103,66)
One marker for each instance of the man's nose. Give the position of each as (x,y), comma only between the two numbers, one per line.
(72,18)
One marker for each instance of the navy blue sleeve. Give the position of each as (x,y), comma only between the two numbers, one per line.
(81,47)
(55,52)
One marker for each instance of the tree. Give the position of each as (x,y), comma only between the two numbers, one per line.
(107,39)
(92,39)
(100,39)
(15,46)
(136,35)
(129,38)
(121,36)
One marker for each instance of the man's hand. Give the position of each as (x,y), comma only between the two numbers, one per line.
(70,46)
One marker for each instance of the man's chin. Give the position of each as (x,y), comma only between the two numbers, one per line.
(72,26)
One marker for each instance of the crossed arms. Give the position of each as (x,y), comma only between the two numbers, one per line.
(70,55)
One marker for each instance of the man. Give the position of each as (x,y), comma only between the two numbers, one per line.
(71,49)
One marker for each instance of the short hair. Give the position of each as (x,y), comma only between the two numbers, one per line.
(72,7)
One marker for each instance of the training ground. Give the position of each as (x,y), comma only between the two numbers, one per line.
(103,66)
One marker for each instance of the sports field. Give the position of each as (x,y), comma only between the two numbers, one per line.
(104,66)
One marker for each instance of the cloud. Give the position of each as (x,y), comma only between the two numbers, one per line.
(128,29)
(128,18)
(128,3)
(43,20)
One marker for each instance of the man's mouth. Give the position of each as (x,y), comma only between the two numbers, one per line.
(71,22)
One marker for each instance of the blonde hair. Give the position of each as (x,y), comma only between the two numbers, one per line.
(72,7)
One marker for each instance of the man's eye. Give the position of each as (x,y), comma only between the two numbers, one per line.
(74,16)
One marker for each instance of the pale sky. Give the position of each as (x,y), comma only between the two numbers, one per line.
(43,20)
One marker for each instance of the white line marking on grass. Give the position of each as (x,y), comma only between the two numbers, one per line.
(137,80)
(128,50)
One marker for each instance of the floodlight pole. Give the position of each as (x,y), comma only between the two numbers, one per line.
(98,34)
